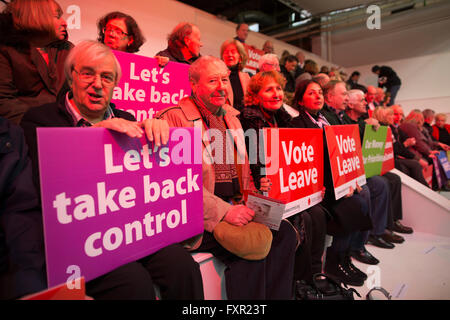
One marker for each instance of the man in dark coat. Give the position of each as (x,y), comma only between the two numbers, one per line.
(92,73)
(389,79)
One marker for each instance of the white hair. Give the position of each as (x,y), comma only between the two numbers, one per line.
(268,58)
(354,95)
(91,50)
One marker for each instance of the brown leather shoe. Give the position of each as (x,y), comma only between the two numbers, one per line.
(398,227)
(390,236)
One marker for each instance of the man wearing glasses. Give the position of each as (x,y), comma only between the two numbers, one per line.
(92,72)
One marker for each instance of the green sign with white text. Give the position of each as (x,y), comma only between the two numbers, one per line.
(373,149)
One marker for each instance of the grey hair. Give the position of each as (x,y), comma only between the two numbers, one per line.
(354,94)
(198,66)
(269,58)
(91,50)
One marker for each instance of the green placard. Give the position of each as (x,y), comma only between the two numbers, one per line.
(373,149)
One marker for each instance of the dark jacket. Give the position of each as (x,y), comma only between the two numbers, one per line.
(391,76)
(354,207)
(399,148)
(175,55)
(360,122)
(251,117)
(51,115)
(26,80)
(441,134)
(423,145)
(290,80)
(331,115)
(22,257)
(304,121)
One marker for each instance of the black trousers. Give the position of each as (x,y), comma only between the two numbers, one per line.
(395,211)
(267,279)
(172,268)
(308,256)
(412,168)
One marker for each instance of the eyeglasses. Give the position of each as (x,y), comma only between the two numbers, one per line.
(88,76)
(115,31)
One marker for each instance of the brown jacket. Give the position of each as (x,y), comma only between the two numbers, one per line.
(186,114)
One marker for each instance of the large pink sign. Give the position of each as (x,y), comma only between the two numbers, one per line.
(145,88)
(109,199)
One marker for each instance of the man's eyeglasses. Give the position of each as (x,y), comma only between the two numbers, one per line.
(88,76)
(115,31)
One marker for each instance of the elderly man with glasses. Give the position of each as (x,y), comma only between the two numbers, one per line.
(92,72)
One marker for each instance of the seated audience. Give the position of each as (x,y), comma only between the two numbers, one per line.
(224,186)
(424,147)
(92,72)
(376,191)
(355,114)
(33,48)
(264,109)
(235,57)
(309,100)
(405,160)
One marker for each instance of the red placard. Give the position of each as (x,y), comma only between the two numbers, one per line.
(388,162)
(297,178)
(347,167)
(66,291)
(253,58)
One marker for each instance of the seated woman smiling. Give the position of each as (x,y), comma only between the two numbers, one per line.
(264,109)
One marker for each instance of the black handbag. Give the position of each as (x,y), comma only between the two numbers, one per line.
(323,288)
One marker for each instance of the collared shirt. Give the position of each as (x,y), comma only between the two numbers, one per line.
(319,119)
(78,120)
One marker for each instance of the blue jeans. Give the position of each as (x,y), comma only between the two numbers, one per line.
(393,93)
(376,194)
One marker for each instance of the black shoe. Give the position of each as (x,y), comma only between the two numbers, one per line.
(358,273)
(364,256)
(378,241)
(398,227)
(390,236)
(340,272)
